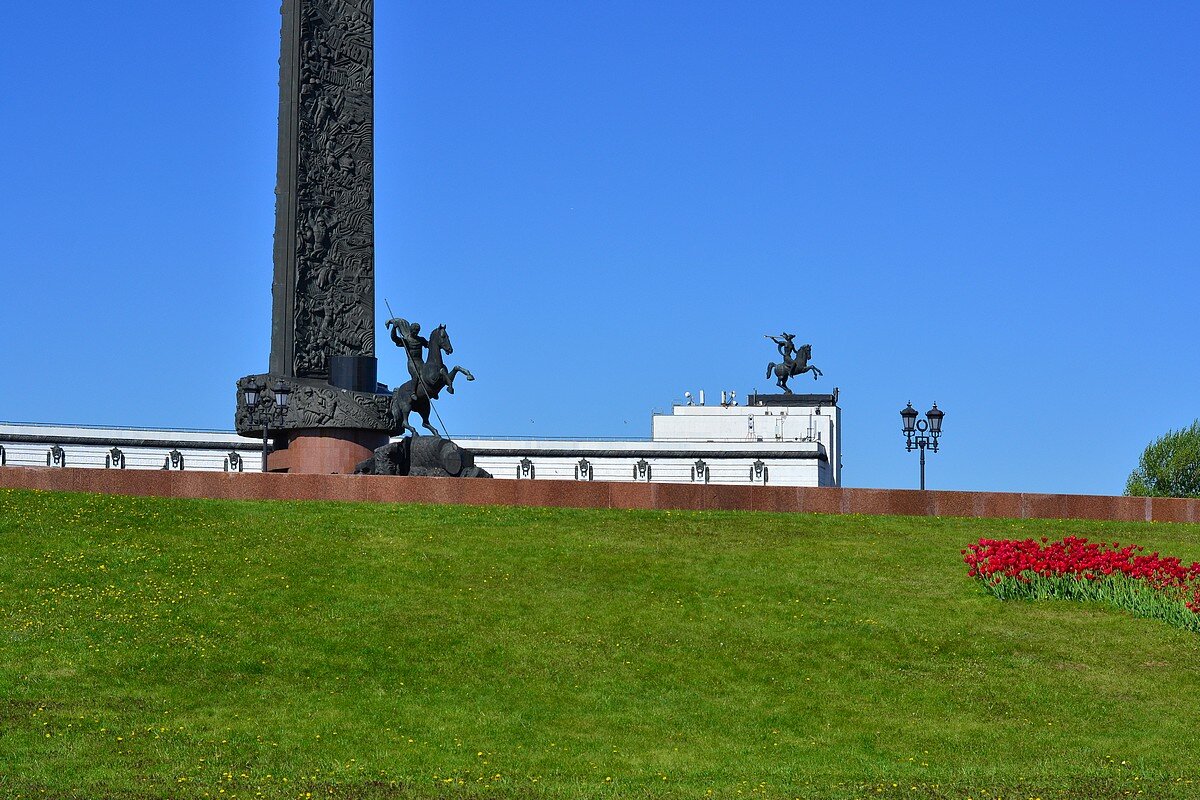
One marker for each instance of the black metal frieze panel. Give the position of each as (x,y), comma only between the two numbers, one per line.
(312,403)
(324,291)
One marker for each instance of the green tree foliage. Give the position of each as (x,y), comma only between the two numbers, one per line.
(1169,466)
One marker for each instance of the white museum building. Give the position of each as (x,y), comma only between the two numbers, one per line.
(778,440)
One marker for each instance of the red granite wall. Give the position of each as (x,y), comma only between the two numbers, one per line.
(581,494)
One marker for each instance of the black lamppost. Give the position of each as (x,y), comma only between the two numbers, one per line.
(267,409)
(921,434)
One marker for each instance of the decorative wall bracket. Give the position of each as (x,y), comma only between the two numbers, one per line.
(526,469)
(700,471)
(642,471)
(56,457)
(584,471)
(114,459)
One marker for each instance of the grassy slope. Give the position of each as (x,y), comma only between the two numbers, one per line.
(181,648)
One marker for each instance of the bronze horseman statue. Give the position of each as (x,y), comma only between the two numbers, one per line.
(795,360)
(427,374)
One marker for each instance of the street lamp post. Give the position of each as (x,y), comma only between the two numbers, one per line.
(267,409)
(923,433)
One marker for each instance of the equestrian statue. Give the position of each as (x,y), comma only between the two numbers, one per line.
(427,374)
(795,360)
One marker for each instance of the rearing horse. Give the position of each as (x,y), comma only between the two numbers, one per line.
(432,377)
(790,368)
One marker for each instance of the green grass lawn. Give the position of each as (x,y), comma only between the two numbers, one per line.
(172,648)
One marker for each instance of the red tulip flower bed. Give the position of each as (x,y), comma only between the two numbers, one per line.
(1149,585)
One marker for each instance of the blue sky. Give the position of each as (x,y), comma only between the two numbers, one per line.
(990,205)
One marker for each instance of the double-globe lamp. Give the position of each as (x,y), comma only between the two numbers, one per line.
(922,433)
(275,410)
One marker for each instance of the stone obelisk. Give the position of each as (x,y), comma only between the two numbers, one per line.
(323,322)
(324,289)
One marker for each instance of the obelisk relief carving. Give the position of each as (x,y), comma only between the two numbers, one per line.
(323,320)
(320,402)
(324,286)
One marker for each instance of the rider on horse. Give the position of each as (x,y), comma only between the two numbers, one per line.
(428,374)
(408,336)
(786,347)
(795,360)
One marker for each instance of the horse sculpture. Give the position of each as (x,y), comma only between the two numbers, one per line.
(431,377)
(792,365)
